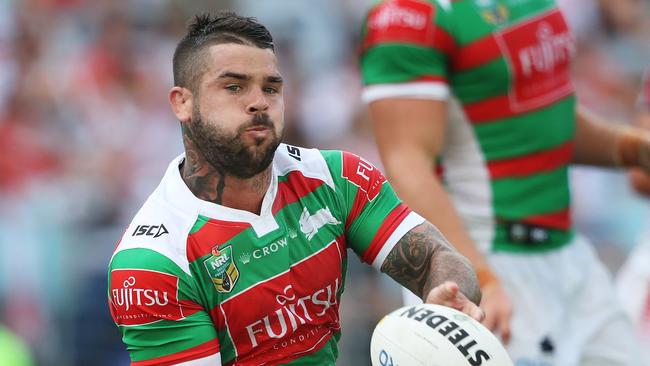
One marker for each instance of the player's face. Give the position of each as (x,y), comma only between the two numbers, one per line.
(238,116)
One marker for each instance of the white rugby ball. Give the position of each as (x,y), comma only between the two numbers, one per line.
(434,335)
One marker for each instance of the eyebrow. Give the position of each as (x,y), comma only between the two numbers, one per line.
(238,76)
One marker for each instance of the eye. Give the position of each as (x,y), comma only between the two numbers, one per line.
(270,90)
(233,87)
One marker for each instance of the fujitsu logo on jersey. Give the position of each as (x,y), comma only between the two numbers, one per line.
(394,15)
(293,312)
(551,49)
(140,296)
(130,295)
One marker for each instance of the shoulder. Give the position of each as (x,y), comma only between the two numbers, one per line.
(156,238)
(300,161)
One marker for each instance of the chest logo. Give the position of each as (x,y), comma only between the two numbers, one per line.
(222,269)
(493,12)
(310,224)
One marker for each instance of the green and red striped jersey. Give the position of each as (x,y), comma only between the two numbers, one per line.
(193,281)
(505,161)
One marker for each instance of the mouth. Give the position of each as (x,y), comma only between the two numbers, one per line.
(258,129)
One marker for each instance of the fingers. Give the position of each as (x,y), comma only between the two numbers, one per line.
(448,294)
(444,294)
(504,329)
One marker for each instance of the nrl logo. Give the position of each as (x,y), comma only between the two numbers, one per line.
(222,269)
(310,224)
(494,13)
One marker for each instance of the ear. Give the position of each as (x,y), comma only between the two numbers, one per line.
(182,103)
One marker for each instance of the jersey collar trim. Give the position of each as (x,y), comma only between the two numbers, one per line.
(176,192)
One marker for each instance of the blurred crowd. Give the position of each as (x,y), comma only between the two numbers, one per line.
(86,133)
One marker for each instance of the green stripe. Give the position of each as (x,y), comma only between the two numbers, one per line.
(556,239)
(524,134)
(167,337)
(200,221)
(474,26)
(516,198)
(226,347)
(472,86)
(393,62)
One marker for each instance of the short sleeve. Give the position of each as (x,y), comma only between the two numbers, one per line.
(375,217)
(405,49)
(155,306)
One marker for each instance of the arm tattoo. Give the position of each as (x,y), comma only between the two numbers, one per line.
(423,259)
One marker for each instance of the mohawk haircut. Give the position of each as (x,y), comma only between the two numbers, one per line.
(189,61)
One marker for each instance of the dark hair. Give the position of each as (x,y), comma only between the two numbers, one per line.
(204,31)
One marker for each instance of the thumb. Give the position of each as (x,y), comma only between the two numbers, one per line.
(443,294)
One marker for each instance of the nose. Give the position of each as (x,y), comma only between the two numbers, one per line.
(258,103)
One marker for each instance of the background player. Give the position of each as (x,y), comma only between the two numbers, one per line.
(633,280)
(502,193)
(239,255)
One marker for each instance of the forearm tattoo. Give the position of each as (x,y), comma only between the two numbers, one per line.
(423,259)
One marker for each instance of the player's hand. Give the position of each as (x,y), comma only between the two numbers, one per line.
(498,310)
(448,294)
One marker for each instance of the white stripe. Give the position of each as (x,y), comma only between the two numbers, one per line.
(435,90)
(212,360)
(411,221)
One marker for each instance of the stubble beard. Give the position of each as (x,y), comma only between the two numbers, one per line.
(226,151)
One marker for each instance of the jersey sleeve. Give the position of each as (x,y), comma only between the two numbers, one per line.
(405,50)
(156,308)
(375,218)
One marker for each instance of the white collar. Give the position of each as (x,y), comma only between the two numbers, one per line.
(175,192)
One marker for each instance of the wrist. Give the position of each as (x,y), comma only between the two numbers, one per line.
(628,147)
(486,277)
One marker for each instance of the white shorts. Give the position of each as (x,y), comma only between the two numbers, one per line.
(633,289)
(564,309)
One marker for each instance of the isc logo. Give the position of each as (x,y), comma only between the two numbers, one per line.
(150,230)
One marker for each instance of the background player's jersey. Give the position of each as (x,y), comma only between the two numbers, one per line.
(192,280)
(507,63)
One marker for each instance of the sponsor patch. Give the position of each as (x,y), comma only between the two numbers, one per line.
(404,21)
(539,52)
(139,297)
(363,174)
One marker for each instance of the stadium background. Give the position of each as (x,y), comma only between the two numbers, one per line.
(86,133)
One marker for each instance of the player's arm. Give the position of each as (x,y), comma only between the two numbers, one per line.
(409,134)
(423,260)
(600,143)
(155,306)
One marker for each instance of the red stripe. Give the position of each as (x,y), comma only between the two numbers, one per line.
(431,35)
(489,109)
(476,53)
(430,78)
(293,189)
(214,232)
(203,350)
(537,162)
(556,220)
(500,107)
(391,222)
(360,201)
